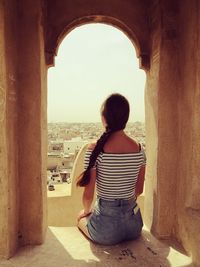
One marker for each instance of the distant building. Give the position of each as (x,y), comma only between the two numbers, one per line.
(71,146)
(55,146)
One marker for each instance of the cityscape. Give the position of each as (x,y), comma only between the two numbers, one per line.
(64,142)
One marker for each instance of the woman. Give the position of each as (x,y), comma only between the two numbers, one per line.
(116,165)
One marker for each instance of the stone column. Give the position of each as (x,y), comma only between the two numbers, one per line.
(188,193)
(32,123)
(162,122)
(8,131)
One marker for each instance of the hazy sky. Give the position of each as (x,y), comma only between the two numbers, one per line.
(93,61)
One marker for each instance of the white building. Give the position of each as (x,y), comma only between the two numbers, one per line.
(71,146)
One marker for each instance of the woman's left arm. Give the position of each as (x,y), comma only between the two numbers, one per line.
(88,195)
(140,181)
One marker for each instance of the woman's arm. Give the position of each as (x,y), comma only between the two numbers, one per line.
(140,181)
(88,192)
(88,195)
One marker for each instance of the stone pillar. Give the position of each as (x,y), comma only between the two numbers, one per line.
(188,191)
(8,132)
(32,123)
(162,122)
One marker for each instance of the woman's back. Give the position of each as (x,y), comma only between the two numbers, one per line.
(117,167)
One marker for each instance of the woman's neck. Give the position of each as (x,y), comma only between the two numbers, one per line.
(119,133)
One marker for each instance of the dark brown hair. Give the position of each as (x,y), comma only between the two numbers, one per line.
(115,111)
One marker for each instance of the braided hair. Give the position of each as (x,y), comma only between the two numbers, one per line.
(115,111)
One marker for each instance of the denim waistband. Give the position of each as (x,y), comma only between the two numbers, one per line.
(117,202)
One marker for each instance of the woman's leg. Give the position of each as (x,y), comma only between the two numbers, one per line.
(82,225)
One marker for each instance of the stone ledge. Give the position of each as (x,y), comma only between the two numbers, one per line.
(66,246)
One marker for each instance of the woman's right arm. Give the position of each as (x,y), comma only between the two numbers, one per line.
(88,193)
(89,189)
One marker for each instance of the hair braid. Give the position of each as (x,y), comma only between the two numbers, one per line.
(84,178)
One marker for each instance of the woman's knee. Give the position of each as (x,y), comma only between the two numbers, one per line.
(82,225)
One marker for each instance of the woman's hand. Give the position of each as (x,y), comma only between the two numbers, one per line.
(83,214)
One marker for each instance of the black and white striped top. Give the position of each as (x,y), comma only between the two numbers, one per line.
(117,173)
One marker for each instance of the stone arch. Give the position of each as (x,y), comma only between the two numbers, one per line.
(56,218)
(140,51)
(153,47)
(132,32)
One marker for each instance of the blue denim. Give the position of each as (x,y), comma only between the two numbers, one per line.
(114,221)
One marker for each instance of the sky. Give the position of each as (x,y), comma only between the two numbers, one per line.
(94,61)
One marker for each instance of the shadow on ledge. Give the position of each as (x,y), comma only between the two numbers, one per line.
(145,251)
(67,247)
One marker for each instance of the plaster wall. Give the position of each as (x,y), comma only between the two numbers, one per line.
(188,196)
(8,134)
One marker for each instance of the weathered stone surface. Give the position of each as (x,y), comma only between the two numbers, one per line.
(8,131)
(129,16)
(32,123)
(166,37)
(67,247)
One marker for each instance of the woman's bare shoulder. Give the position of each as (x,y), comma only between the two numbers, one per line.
(123,144)
(133,144)
(91,146)
(131,140)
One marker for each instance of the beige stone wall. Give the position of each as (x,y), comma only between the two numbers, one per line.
(161,123)
(63,210)
(172,201)
(23,125)
(8,132)
(188,189)
(32,123)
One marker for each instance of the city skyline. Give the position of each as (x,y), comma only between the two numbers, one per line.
(93,61)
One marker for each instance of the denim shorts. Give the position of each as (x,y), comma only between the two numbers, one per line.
(114,221)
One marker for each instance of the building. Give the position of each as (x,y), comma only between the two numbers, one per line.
(74,145)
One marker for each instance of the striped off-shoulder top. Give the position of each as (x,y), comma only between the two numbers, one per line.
(117,173)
